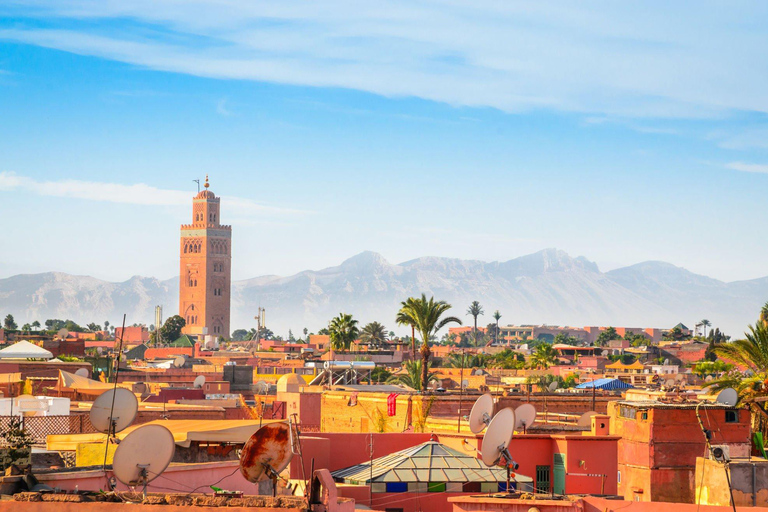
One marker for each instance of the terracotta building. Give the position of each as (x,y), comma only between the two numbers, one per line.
(205,273)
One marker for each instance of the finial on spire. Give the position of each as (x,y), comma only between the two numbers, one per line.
(206,181)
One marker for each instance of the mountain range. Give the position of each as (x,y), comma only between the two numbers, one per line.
(548,287)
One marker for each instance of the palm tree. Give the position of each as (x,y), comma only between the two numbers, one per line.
(404,319)
(413,375)
(750,353)
(475,309)
(543,358)
(496,316)
(342,332)
(705,323)
(764,314)
(425,317)
(374,334)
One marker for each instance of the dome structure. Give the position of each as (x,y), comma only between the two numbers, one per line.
(290,383)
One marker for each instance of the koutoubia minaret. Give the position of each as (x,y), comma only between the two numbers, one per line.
(205,277)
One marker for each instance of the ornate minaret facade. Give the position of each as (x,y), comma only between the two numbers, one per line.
(205,274)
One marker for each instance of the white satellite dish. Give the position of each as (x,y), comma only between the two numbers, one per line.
(262,388)
(728,396)
(478,371)
(199,382)
(114,410)
(525,416)
(553,386)
(586,419)
(143,455)
(482,411)
(82,372)
(179,362)
(666,362)
(497,437)
(708,378)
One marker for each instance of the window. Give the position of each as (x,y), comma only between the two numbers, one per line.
(731,416)
(542,479)
(628,412)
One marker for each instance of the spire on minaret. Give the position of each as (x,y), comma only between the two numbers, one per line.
(206,181)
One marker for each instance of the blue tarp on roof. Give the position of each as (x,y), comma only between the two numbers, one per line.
(609,384)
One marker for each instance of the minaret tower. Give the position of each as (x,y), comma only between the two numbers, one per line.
(205,275)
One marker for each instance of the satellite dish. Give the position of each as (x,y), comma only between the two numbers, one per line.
(478,372)
(114,410)
(708,378)
(525,416)
(62,333)
(728,396)
(199,382)
(262,388)
(670,382)
(497,437)
(99,350)
(481,414)
(266,453)
(553,386)
(586,419)
(666,362)
(82,372)
(179,362)
(143,455)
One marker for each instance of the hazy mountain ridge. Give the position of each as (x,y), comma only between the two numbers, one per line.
(545,287)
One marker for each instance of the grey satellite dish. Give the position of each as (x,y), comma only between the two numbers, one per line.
(586,419)
(82,372)
(262,388)
(708,378)
(525,416)
(114,410)
(199,382)
(267,453)
(481,413)
(464,383)
(478,371)
(553,386)
(99,350)
(666,362)
(728,396)
(179,362)
(62,333)
(143,455)
(497,437)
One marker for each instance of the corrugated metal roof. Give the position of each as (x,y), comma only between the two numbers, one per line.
(427,462)
(653,404)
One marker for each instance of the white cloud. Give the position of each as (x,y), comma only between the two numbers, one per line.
(138,194)
(221,108)
(644,59)
(746,167)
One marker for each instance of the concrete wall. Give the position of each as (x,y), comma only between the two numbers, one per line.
(749,480)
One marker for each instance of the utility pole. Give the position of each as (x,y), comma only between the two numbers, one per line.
(461,390)
(260,320)
(198,185)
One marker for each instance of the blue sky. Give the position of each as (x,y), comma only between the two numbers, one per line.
(623,132)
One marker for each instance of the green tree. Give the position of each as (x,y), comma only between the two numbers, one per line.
(475,309)
(240,335)
(705,323)
(711,368)
(380,374)
(9,323)
(324,331)
(36,325)
(343,331)
(403,319)
(26,327)
(414,375)
(93,327)
(606,336)
(543,357)
(171,329)
(565,339)
(427,318)
(374,334)
(496,316)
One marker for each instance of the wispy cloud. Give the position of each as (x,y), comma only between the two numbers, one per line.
(138,194)
(747,167)
(635,60)
(221,108)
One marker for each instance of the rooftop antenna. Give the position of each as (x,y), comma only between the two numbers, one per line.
(198,185)
(143,455)
(728,396)
(525,416)
(481,414)
(585,420)
(267,453)
(496,442)
(111,417)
